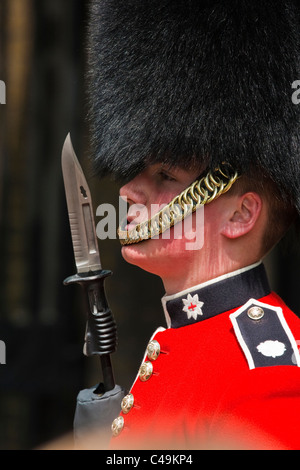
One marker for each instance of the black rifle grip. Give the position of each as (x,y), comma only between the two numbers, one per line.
(101,331)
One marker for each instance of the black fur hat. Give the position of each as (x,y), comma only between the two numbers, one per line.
(184,80)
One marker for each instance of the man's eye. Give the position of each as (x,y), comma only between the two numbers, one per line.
(165,176)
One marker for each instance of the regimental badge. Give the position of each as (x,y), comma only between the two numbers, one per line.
(272,348)
(192,306)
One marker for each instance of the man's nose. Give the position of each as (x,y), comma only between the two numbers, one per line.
(134,191)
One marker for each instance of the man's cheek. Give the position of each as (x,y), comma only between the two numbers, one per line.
(191,230)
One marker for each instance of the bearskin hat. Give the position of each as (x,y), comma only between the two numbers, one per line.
(179,81)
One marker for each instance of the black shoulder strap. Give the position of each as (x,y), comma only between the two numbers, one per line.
(264,335)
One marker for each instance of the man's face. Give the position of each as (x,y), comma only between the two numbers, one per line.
(146,194)
(229,225)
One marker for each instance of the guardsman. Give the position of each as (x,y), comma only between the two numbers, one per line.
(191,104)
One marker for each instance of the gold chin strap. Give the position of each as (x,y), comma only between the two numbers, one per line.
(203,191)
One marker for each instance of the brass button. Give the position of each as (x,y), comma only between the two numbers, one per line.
(117,426)
(153,350)
(255,313)
(145,371)
(127,403)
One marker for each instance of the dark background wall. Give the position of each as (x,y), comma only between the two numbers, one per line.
(42,62)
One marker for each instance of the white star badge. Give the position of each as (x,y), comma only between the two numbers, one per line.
(192,306)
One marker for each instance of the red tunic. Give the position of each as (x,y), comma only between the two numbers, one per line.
(204,393)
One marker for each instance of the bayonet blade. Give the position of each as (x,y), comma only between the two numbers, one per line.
(80,210)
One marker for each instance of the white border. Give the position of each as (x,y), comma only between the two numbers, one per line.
(282,320)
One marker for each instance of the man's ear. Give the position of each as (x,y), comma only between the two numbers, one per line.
(244,213)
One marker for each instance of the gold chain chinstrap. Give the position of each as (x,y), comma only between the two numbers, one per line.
(203,191)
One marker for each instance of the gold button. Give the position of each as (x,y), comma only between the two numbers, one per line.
(127,403)
(153,350)
(255,313)
(117,426)
(145,371)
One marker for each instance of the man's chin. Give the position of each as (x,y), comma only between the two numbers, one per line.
(138,255)
(135,250)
